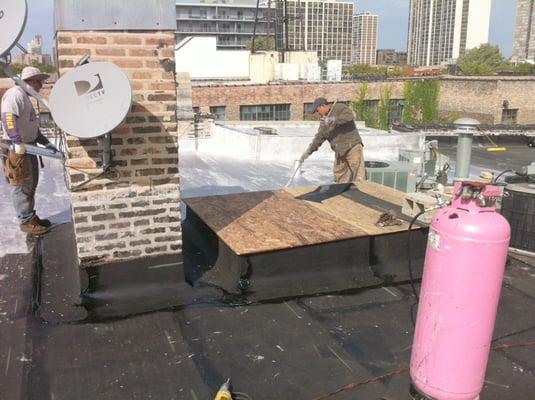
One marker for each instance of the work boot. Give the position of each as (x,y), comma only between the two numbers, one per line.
(44,222)
(33,227)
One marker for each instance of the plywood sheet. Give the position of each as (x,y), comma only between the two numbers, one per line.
(258,222)
(347,207)
(266,221)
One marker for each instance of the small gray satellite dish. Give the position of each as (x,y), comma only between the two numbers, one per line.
(91,100)
(13,15)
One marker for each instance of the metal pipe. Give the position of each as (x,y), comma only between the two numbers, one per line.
(106,153)
(34,150)
(254,26)
(466,127)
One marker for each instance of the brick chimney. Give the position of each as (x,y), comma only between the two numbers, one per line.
(135,211)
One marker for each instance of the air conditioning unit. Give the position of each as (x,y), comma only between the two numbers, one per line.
(398,175)
(428,164)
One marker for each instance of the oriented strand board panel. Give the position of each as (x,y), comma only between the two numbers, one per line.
(266,221)
(348,207)
(258,222)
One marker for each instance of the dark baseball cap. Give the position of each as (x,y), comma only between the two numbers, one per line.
(318,102)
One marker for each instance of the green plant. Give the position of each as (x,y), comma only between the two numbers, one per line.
(384,108)
(17,68)
(526,69)
(362,108)
(421,101)
(261,43)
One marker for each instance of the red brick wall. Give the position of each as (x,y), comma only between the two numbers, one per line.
(135,212)
(296,94)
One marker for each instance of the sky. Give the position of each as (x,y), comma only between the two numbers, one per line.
(393,22)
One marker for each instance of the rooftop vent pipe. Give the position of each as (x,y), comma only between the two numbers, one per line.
(465,129)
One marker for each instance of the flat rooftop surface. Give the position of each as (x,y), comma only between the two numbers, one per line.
(131,344)
(294,348)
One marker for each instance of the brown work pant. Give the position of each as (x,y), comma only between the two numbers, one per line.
(350,167)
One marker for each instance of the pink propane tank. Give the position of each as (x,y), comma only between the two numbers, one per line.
(462,279)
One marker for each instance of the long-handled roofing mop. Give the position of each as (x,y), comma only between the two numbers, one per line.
(296,170)
(494,147)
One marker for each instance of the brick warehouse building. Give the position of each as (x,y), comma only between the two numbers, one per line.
(491,99)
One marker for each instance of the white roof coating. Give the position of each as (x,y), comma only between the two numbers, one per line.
(243,141)
(238,158)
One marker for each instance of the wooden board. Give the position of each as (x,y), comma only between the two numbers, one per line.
(347,208)
(258,222)
(266,221)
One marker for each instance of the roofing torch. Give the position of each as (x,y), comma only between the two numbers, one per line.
(34,150)
(224,391)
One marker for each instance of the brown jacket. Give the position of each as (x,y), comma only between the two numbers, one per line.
(342,133)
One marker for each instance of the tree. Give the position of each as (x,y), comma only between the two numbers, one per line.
(483,60)
(46,68)
(524,69)
(17,68)
(261,43)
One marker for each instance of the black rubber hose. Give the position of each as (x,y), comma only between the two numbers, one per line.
(411,276)
(502,173)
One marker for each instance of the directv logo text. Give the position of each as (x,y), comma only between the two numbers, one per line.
(91,90)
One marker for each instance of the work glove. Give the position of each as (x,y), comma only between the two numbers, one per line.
(329,121)
(20,148)
(50,146)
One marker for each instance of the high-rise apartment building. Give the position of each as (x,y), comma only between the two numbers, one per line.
(232,22)
(324,26)
(442,30)
(35,46)
(391,57)
(524,42)
(364,38)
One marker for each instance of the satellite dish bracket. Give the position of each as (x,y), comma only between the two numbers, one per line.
(107,156)
(27,88)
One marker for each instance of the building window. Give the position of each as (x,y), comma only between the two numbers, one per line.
(509,116)
(218,111)
(395,113)
(308,115)
(265,112)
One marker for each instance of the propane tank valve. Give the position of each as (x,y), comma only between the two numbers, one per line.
(441,203)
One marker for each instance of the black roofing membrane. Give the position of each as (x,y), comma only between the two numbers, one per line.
(127,342)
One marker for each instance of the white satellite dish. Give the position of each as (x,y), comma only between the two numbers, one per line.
(13,15)
(91,100)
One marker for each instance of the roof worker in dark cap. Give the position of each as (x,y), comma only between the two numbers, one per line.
(337,125)
(20,124)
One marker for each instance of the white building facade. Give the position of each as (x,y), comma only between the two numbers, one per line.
(231,22)
(442,30)
(524,41)
(364,38)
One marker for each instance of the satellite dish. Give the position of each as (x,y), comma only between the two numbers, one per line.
(13,15)
(91,100)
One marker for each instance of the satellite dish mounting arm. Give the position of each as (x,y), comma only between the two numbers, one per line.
(27,88)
